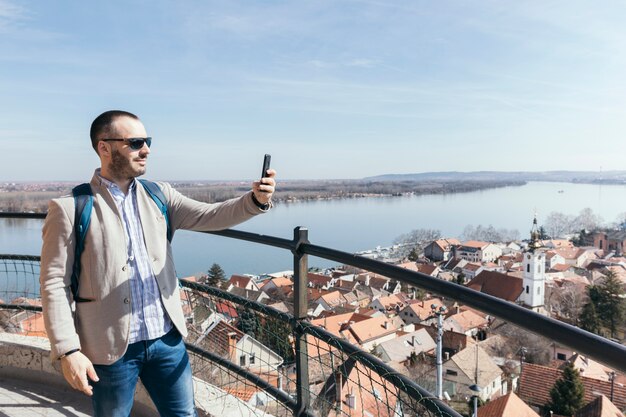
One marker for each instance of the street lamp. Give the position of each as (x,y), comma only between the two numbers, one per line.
(439,312)
(475,388)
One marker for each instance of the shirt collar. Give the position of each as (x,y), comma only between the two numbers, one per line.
(113,188)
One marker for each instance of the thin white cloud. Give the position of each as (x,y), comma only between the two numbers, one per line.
(353,63)
(10,13)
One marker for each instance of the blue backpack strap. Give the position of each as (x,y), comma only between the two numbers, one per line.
(157,195)
(83,204)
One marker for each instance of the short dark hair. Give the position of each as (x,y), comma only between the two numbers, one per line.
(102,125)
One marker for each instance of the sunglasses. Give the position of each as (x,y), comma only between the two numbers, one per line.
(133,143)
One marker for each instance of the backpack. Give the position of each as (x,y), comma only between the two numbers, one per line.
(83,205)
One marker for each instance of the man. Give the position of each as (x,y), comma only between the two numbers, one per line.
(127,321)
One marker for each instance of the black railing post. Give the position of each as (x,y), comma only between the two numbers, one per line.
(301,281)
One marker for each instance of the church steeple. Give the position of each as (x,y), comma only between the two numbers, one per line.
(535,237)
(534,270)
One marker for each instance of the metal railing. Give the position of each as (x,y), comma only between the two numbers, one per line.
(342,362)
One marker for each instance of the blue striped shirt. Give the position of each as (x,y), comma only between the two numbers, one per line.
(149,319)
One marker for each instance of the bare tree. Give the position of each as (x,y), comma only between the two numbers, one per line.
(557,224)
(587,220)
(567,301)
(490,233)
(415,241)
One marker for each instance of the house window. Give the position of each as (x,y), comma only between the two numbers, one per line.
(242,360)
(538,290)
(528,268)
(561,356)
(252,358)
(527,289)
(451,372)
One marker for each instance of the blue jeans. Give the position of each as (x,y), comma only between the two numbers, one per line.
(163,366)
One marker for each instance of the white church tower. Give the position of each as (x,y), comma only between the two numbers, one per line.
(534,264)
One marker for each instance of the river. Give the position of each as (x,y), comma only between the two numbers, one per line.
(363,223)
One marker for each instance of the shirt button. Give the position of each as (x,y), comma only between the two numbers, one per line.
(124,268)
(126,301)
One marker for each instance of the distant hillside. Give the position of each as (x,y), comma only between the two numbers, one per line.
(602,177)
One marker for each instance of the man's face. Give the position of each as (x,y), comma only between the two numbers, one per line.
(127,163)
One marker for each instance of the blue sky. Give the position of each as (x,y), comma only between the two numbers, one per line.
(332,89)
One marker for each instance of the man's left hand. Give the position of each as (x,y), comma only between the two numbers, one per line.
(264,188)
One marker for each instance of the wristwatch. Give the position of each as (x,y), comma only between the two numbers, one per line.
(260,205)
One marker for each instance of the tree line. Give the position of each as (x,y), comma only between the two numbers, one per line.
(557,224)
(29,200)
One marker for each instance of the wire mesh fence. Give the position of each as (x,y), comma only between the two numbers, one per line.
(19,292)
(343,379)
(243,355)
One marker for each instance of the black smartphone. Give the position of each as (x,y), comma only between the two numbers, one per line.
(266,165)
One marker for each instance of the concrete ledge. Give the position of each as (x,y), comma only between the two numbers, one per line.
(26,369)
(27,359)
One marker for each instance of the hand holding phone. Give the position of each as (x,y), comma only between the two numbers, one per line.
(266,165)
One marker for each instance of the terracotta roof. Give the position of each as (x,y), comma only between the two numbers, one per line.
(378,282)
(472,267)
(475,244)
(333,298)
(509,405)
(561,243)
(445,244)
(190,279)
(372,395)
(372,328)
(536,382)
(427,269)
(345,285)
(466,320)
(24,300)
(244,393)
(498,285)
(226,308)
(239,281)
(318,280)
(30,324)
(422,309)
(570,253)
(408,265)
(391,301)
(281,282)
(600,407)
(217,338)
(561,267)
(334,324)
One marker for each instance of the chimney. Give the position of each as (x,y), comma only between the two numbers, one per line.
(338,387)
(413,340)
(386,325)
(232,346)
(351,401)
(446,356)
